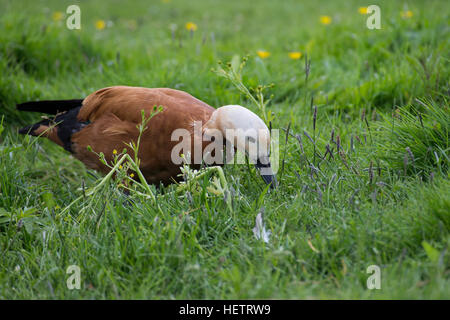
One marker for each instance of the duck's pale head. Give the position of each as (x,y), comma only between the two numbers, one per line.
(247,133)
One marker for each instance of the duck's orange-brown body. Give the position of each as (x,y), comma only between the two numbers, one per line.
(108,120)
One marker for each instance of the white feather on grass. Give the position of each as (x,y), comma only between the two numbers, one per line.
(259,230)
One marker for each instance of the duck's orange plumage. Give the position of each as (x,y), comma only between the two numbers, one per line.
(108,120)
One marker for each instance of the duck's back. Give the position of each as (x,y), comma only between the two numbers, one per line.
(112,115)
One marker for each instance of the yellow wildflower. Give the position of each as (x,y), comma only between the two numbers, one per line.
(295,55)
(57,16)
(100,24)
(406,14)
(120,167)
(263,54)
(325,20)
(191,26)
(114,151)
(132,175)
(362,10)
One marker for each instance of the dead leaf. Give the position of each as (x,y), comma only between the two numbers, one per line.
(312,247)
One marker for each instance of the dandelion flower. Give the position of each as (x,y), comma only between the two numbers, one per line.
(362,10)
(120,167)
(100,24)
(191,26)
(406,14)
(132,175)
(263,54)
(295,55)
(57,16)
(325,20)
(114,151)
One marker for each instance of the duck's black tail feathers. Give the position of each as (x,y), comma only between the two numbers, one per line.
(59,128)
(50,106)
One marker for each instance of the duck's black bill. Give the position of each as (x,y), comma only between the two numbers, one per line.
(270,179)
(267,174)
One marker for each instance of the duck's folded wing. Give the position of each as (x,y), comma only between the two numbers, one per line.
(113,113)
(127,103)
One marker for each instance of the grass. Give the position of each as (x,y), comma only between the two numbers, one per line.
(364,172)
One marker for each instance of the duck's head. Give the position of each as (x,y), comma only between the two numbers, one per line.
(247,133)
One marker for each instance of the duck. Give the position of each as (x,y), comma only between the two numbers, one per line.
(108,120)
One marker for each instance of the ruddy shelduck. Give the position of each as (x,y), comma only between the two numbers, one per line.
(107,120)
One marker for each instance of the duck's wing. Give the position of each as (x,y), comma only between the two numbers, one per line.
(114,112)
(127,103)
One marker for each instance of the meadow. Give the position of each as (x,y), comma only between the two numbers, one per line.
(364,126)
